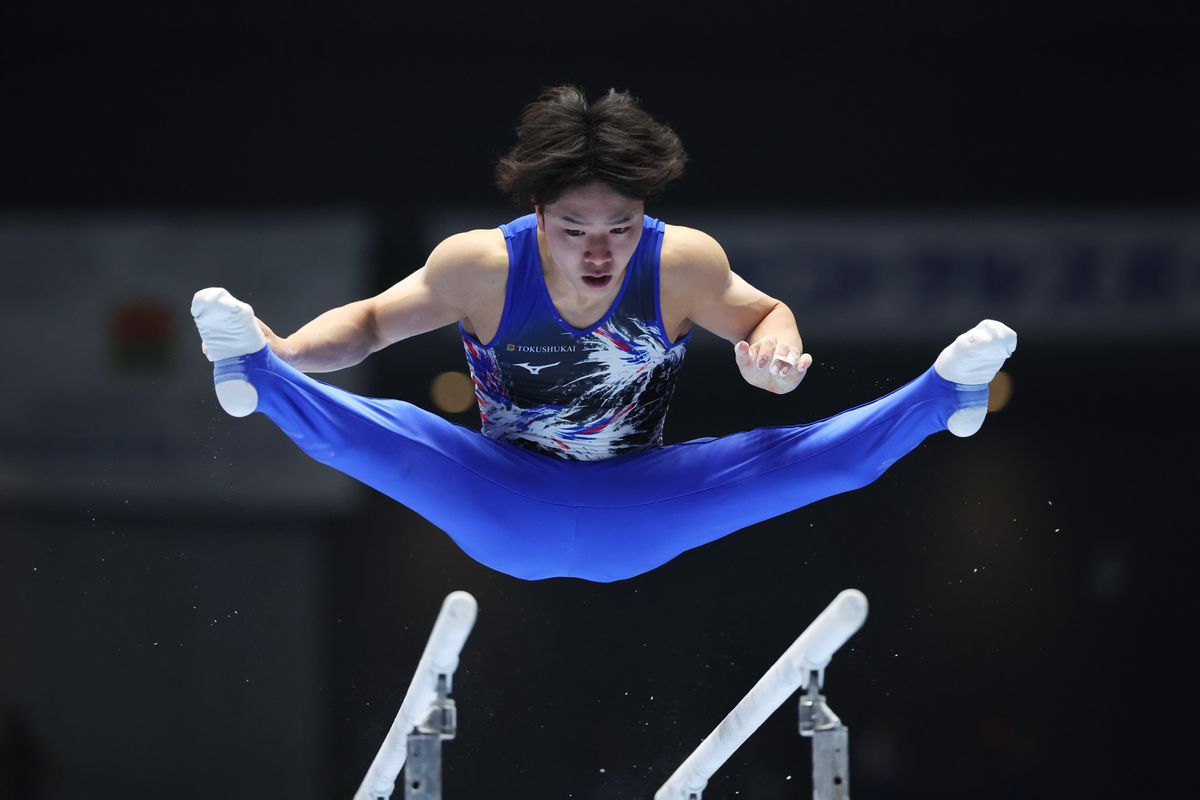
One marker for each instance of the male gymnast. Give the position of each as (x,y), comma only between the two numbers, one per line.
(575,320)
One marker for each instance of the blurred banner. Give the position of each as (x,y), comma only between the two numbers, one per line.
(108,394)
(1060,276)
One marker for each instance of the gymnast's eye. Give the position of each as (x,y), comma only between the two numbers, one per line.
(619,231)
(573,232)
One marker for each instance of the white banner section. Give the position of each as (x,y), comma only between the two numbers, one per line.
(109,396)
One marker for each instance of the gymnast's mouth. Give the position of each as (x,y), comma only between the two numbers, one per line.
(597,281)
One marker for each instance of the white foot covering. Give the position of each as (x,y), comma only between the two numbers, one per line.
(973,359)
(227,330)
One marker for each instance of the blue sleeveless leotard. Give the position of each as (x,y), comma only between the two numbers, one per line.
(582,394)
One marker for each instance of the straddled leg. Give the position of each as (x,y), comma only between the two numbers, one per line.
(489,496)
(645,510)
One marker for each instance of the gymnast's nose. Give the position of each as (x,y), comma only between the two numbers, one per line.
(598,253)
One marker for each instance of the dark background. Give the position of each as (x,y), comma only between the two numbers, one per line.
(1030,630)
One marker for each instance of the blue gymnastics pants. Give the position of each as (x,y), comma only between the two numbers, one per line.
(536,516)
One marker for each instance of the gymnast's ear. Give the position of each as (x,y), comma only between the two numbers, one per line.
(541,215)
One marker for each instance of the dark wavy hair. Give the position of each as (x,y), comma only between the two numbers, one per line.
(563,141)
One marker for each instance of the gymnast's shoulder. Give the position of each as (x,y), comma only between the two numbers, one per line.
(469,263)
(462,280)
(692,258)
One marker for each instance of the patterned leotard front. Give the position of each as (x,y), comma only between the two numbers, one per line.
(580,394)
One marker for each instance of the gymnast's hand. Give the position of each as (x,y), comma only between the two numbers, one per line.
(776,367)
(279,346)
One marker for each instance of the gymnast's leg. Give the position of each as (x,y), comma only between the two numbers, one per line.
(643,510)
(479,491)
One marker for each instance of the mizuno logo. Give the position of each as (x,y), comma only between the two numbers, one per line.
(534,370)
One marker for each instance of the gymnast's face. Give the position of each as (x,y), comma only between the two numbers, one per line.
(591,232)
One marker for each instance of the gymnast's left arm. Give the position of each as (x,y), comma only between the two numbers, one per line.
(698,287)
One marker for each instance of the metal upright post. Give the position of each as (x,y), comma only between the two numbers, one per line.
(423,766)
(423,770)
(831,743)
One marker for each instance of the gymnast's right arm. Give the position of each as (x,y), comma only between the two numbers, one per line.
(456,279)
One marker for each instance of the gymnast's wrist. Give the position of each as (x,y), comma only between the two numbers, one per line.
(285,349)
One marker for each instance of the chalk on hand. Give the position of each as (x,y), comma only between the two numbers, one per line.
(789,359)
